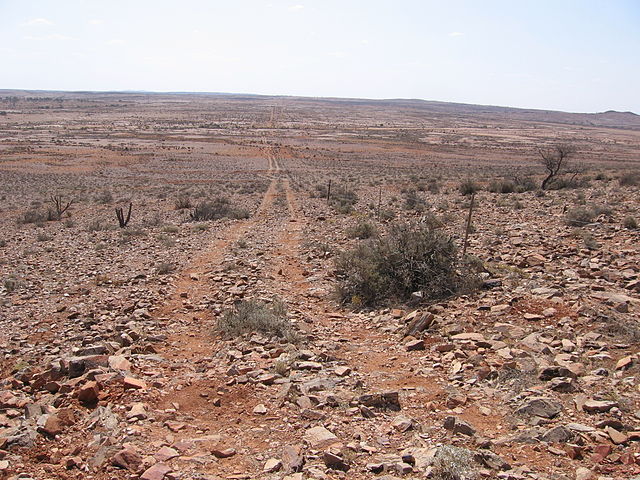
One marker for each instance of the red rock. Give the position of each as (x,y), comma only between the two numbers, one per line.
(600,453)
(157,472)
(53,426)
(88,393)
(134,383)
(128,459)
(226,453)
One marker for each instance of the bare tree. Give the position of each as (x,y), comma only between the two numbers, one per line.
(60,207)
(555,160)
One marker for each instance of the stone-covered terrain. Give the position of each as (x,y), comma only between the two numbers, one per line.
(112,366)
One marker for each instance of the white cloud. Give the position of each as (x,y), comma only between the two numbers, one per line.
(37,22)
(456,34)
(54,36)
(296,8)
(95,21)
(339,54)
(116,41)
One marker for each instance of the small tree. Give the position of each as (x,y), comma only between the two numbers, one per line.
(60,206)
(555,160)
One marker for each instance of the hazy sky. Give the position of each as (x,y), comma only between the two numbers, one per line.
(579,55)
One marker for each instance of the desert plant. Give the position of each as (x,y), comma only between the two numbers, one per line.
(182,202)
(59,207)
(256,316)
(409,258)
(579,216)
(453,463)
(554,160)
(362,230)
(216,209)
(630,222)
(468,187)
(122,220)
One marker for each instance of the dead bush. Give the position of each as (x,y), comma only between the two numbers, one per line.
(409,258)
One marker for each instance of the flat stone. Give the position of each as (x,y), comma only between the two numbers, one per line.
(156,472)
(165,454)
(224,453)
(134,383)
(272,465)
(598,406)
(319,437)
(540,407)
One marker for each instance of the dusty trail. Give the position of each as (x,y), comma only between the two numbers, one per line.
(203,406)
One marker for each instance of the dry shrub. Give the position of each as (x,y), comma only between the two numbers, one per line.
(409,258)
(255,316)
(216,209)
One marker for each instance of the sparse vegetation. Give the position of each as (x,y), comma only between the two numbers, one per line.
(555,160)
(409,258)
(256,316)
(453,463)
(468,187)
(216,209)
(362,230)
(630,222)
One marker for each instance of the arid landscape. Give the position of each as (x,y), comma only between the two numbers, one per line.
(229,327)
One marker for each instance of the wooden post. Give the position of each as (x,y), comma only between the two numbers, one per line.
(329,191)
(468,229)
(379,201)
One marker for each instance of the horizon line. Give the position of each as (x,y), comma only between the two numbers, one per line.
(371,99)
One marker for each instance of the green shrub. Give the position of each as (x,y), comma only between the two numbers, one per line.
(409,258)
(255,316)
(468,187)
(216,209)
(362,230)
(412,201)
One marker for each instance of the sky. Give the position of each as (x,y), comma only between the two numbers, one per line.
(570,55)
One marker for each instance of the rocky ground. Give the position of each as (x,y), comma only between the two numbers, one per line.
(112,366)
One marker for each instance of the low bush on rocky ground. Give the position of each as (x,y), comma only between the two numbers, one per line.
(216,209)
(579,216)
(453,463)
(362,230)
(629,179)
(468,187)
(256,316)
(409,258)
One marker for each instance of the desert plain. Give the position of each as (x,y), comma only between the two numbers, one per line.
(115,359)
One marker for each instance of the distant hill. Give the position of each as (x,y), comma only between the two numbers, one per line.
(610,118)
